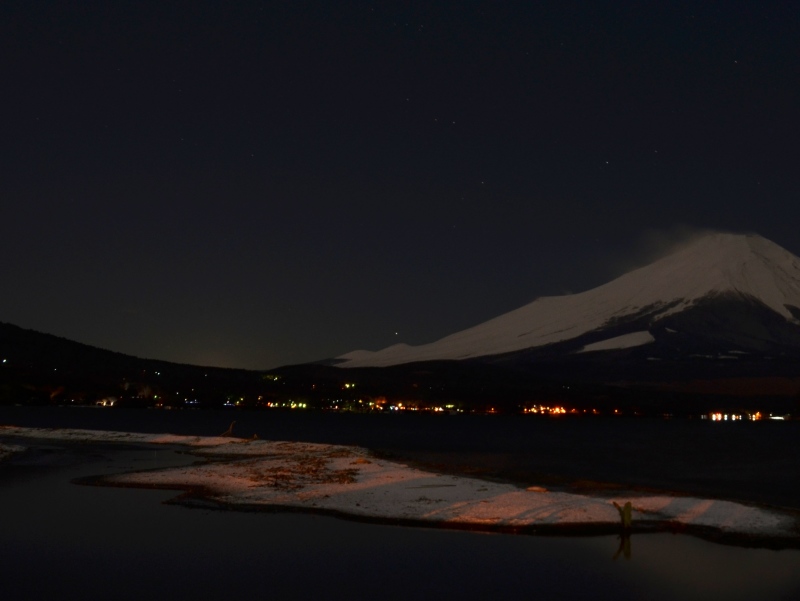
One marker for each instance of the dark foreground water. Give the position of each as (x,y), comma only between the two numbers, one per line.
(745,461)
(60,540)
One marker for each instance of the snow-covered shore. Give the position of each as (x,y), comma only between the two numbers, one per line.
(351,481)
(6,450)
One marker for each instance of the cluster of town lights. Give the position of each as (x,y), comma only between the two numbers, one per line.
(734,417)
(435,409)
(545,410)
(289,405)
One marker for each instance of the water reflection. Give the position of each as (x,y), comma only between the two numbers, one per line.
(676,566)
(624,546)
(100,543)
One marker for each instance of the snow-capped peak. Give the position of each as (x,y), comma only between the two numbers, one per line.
(744,265)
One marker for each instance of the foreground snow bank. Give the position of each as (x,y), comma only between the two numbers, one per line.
(6,450)
(109,436)
(349,480)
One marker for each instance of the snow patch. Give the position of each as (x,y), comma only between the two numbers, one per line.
(619,342)
(7,450)
(78,435)
(350,480)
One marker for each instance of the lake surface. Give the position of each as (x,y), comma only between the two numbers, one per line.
(63,540)
(744,461)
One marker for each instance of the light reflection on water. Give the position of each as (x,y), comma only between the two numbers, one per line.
(681,566)
(63,540)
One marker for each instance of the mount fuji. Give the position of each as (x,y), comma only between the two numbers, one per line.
(721,296)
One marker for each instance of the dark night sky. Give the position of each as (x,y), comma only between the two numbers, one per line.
(252,184)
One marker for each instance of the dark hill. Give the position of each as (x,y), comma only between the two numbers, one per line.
(42,368)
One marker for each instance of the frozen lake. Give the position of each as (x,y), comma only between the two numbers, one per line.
(742,461)
(60,539)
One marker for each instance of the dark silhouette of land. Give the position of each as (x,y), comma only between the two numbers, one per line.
(41,369)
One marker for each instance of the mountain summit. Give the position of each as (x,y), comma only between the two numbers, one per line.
(719,293)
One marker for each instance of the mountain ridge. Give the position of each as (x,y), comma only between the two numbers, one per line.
(719,267)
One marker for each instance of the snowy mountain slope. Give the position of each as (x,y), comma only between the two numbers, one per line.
(727,267)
